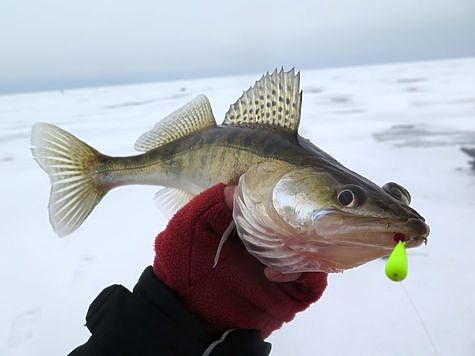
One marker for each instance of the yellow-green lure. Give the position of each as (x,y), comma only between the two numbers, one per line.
(396,267)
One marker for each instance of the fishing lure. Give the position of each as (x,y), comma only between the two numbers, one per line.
(396,267)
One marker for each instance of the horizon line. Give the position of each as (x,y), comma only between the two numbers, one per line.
(114,83)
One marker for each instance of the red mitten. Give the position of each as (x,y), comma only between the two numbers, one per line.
(235,294)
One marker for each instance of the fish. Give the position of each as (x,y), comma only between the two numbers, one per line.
(296,208)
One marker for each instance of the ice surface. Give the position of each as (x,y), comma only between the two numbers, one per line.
(48,283)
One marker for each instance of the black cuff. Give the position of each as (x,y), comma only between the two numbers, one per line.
(153,321)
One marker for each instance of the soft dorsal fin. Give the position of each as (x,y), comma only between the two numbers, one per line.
(274,102)
(190,118)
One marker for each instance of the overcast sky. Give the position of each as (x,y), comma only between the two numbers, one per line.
(54,44)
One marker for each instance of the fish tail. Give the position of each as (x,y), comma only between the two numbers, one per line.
(71,165)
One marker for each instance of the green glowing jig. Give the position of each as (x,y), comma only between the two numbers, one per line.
(396,267)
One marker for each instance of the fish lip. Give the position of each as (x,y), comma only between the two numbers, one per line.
(418,227)
(418,240)
(380,240)
(374,232)
(416,234)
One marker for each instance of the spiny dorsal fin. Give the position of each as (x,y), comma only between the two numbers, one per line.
(190,118)
(274,102)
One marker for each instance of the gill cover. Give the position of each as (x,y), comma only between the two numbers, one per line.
(275,211)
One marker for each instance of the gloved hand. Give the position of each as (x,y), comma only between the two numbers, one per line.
(238,293)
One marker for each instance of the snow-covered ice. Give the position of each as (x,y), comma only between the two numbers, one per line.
(401,122)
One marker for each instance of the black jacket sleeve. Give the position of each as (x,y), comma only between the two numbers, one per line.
(152,321)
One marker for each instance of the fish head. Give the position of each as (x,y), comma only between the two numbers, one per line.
(298,219)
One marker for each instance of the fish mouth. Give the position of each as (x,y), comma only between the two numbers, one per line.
(341,244)
(371,232)
(378,240)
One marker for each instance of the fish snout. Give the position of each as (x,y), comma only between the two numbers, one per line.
(418,227)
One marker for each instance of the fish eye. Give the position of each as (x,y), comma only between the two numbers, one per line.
(350,196)
(346,197)
(398,192)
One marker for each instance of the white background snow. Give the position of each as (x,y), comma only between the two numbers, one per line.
(355,114)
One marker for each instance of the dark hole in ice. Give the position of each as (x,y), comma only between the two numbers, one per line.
(411,80)
(471,152)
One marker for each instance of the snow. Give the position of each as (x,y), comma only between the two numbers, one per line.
(401,122)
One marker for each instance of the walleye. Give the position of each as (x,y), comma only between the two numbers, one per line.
(296,208)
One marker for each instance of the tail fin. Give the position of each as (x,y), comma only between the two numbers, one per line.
(70,164)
